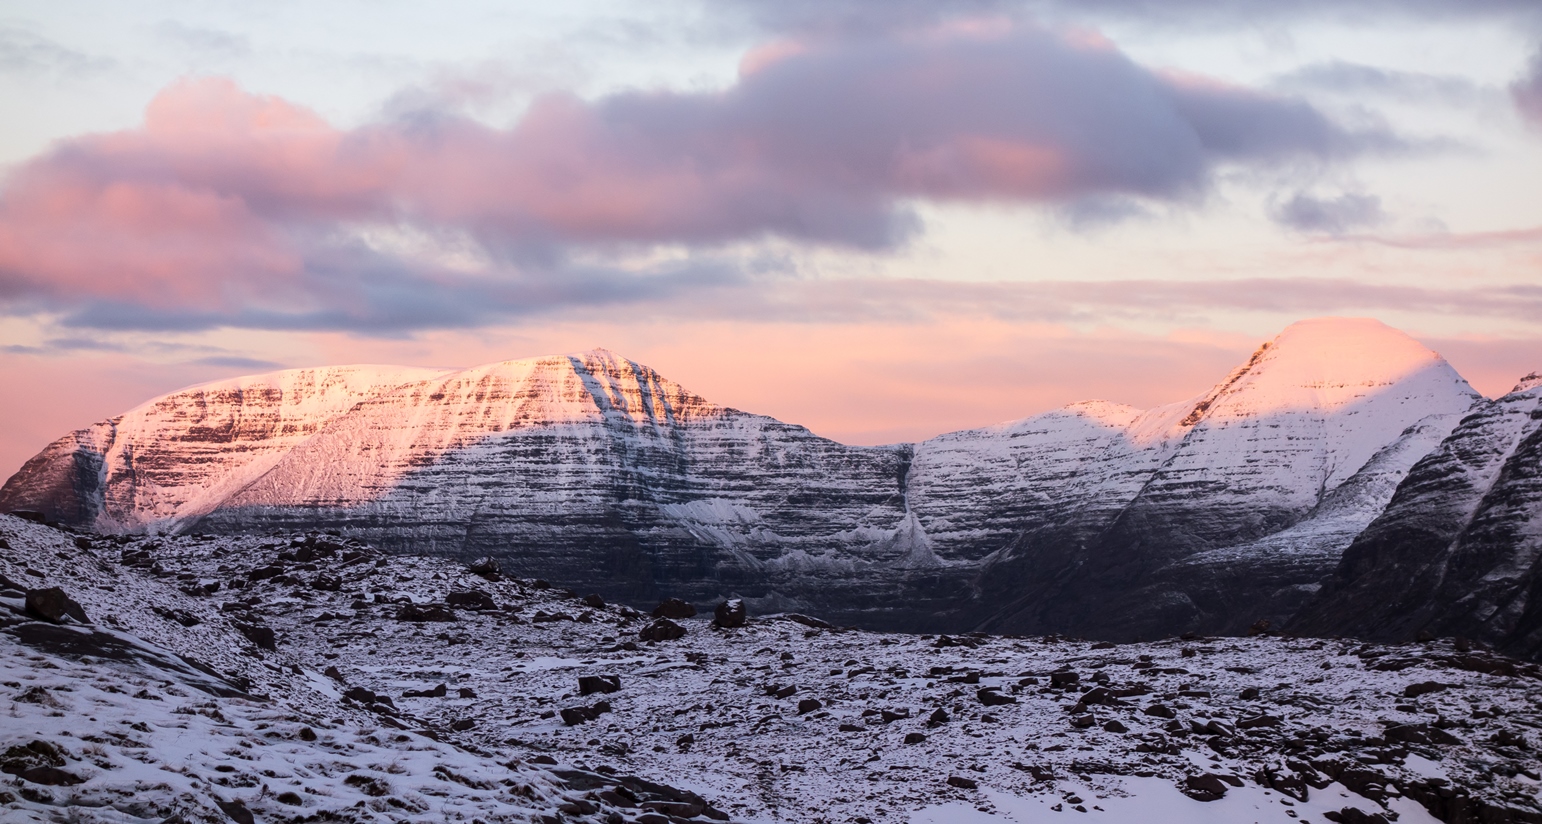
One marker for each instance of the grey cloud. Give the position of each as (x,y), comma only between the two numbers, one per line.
(24,52)
(1526,91)
(848,17)
(1333,215)
(1342,77)
(236,362)
(206,40)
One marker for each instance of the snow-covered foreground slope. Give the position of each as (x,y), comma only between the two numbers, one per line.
(779,720)
(590,469)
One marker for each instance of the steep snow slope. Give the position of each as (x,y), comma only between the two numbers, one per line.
(1457,548)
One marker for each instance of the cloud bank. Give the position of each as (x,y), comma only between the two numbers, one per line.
(231,208)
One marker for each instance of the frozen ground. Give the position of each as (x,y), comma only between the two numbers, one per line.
(778,720)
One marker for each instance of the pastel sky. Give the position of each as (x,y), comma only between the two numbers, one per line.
(883,220)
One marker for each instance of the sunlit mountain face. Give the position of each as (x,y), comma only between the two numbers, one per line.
(1210,513)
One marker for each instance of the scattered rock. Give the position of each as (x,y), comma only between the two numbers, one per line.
(1160,711)
(463,724)
(307,734)
(730,614)
(808,705)
(674,608)
(436,692)
(484,566)
(938,716)
(1064,678)
(1113,725)
(961,782)
(594,600)
(573,716)
(914,738)
(470,599)
(1262,720)
(420,613)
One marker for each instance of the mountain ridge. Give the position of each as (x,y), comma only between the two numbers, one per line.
(594,469)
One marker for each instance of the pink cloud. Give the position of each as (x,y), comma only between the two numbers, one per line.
(242,208)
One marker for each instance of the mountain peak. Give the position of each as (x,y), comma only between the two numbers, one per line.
(1529,382)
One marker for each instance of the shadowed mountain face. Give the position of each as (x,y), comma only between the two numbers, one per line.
(1456,550)
(599,473)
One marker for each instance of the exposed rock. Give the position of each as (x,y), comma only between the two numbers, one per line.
(730,613)
(471,599)
(573,716)
(51,604)
(259,634)
(601,684)
(1206,787)
(420,613)
(991,697)
(674,608)
(662,630)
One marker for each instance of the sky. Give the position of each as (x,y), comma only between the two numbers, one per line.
(880,220)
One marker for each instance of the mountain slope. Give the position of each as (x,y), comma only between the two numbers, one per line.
(1457,549)
(1253,457)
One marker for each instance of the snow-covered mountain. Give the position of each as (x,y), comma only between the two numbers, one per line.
(593,470)
(1457,550)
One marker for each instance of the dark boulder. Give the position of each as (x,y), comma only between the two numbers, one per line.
(1207,787)
(594,600)
(436,692)
(1424,688)
(730,614)
(50,777)
(51,604)
(662,630)
(674,608)
(484,566)
(808,705)
(602,684)
(573,716)
(990,697)
(258,634)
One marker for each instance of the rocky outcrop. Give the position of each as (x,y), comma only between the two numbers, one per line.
(1456,551)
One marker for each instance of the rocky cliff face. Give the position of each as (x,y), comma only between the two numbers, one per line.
(596,471)
(1456,550)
